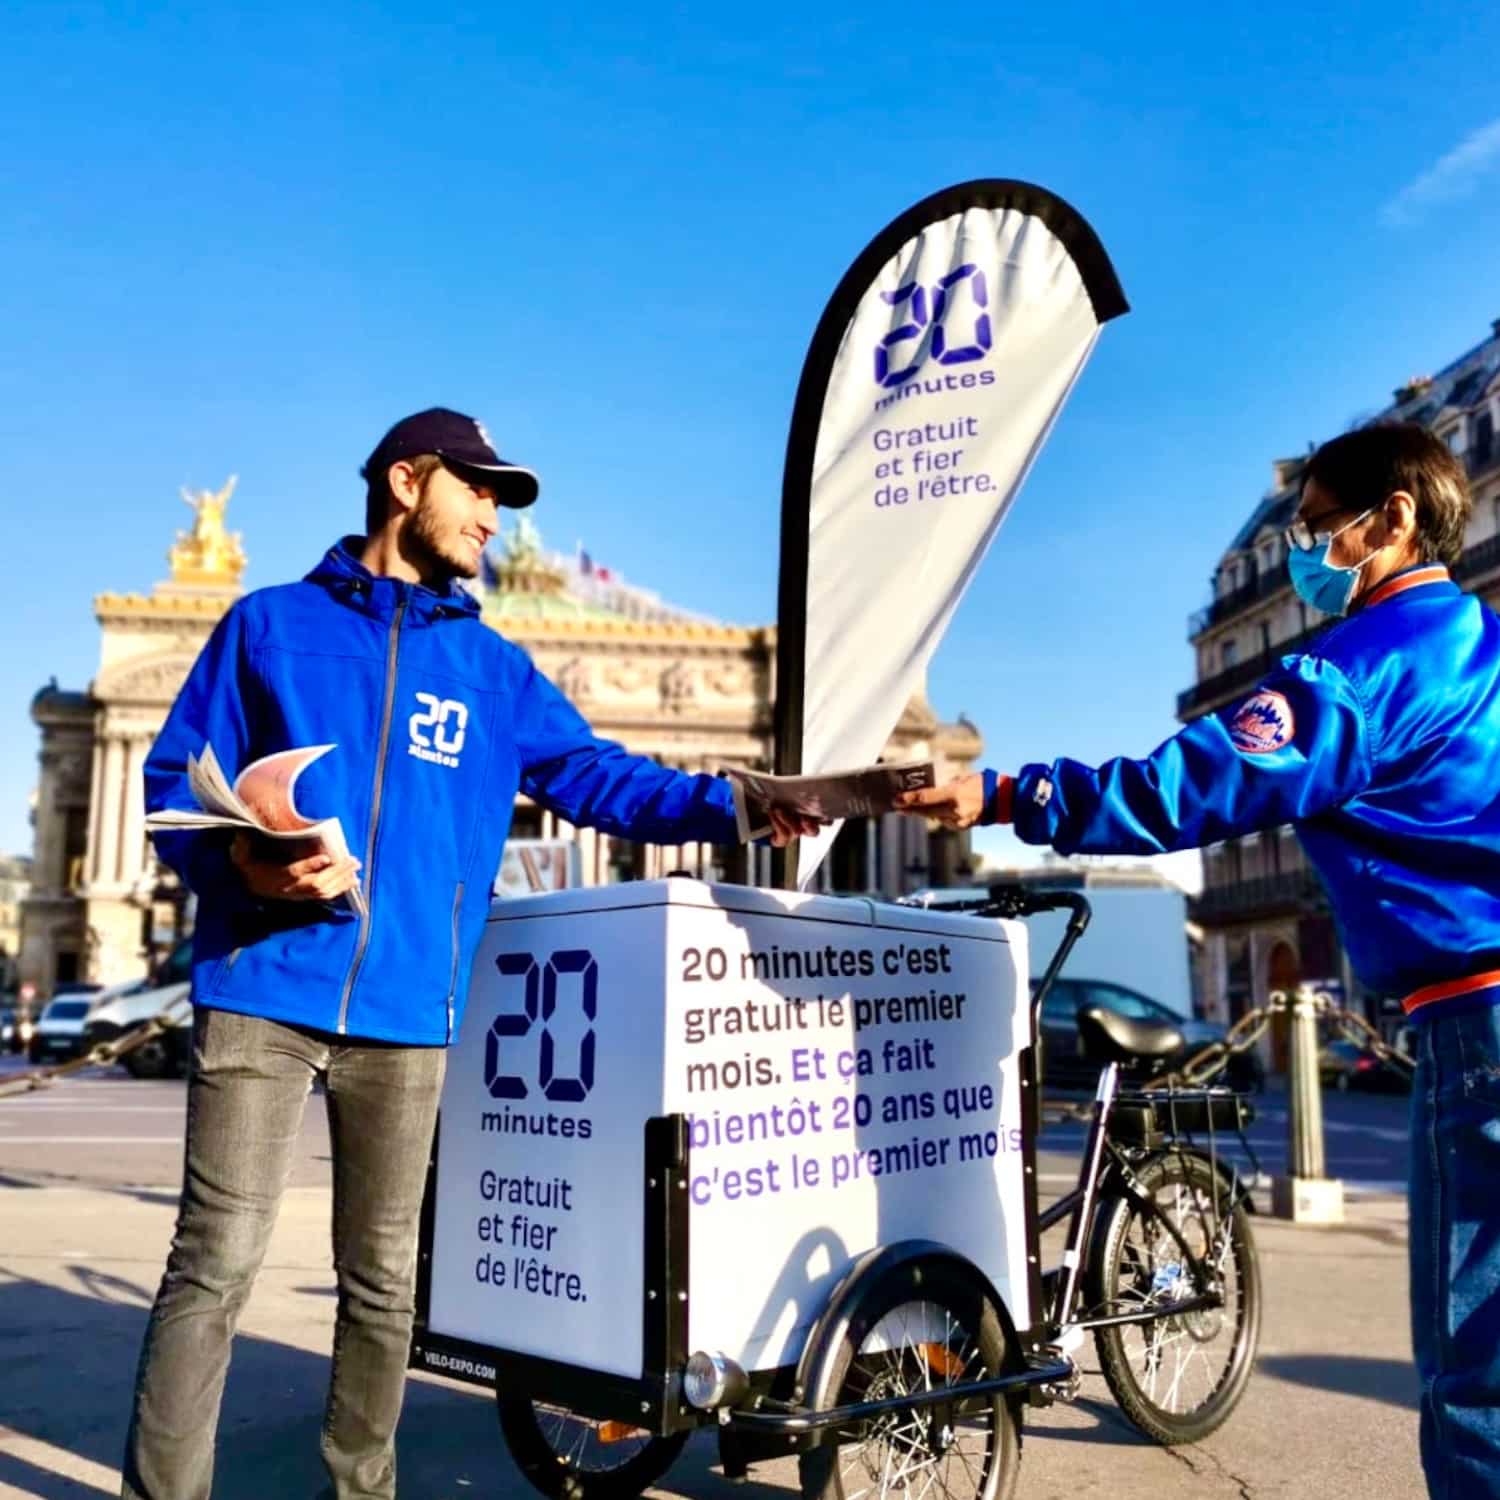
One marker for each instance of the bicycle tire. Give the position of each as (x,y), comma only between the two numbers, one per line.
(971,1339)
(1135,1262)
(558,1469)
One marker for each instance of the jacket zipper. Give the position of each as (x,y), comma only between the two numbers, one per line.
(367,874)
(458,901)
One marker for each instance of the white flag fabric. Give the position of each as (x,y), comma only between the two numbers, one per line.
(932,382)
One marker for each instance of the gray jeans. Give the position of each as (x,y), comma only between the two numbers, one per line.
(249,1084)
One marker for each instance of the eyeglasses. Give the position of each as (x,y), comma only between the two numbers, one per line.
(1304,535)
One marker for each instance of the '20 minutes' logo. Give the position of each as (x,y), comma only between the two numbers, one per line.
(437,732)
(935,306)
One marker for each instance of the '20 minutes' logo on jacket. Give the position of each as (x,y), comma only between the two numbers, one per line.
(437,730)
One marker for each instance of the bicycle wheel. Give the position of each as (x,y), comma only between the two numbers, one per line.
(569,1457)
(927,1326)
(1178,1377)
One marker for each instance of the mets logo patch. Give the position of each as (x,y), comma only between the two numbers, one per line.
(1262,723)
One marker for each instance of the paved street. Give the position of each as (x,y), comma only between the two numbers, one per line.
(88,1175)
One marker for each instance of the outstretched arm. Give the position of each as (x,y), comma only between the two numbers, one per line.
(595,782)
(1298,746)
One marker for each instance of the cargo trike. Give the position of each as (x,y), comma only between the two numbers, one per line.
(711,1155)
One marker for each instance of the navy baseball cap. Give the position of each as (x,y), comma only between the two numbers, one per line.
(464,447)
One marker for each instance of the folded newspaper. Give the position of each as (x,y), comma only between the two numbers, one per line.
(262,802)
(866,793)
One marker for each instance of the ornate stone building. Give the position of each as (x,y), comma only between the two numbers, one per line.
(99,903)
(1265,921)
(688,691)
(15,882)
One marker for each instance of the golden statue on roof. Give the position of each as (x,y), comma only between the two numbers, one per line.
(523,547)
(208,554)
(524,568)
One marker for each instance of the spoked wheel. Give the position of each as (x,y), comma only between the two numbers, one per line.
(927,1327)
(1177,1377)
(569,1457)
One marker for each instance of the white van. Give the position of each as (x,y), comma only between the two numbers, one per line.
(169,990)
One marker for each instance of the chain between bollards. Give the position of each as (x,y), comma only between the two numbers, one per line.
(1207,1063)
(96,1057)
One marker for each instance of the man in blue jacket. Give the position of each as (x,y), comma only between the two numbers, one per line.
(438,722)
(1381,745)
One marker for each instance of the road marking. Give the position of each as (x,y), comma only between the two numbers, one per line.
(90,1140)
(1338,1127)
(59,1461)
(94,1109)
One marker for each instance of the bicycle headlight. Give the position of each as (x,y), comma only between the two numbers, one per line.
(712,1380)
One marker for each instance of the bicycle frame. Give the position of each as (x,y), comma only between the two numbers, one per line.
(1103,1161)
(1101,1156)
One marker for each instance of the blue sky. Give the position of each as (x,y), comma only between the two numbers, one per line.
(245,239)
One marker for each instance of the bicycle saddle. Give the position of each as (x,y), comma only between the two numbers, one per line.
(1108,1036)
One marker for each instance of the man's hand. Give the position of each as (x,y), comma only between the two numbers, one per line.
(787,826)
(958,803)
(317,878)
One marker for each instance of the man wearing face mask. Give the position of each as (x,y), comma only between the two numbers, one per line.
(1380,743)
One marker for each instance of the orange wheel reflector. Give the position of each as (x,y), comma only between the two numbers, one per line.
(619,1432)
(943,1361)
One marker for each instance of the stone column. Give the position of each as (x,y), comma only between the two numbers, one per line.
(111,751)
(133,862)
(588,856)
(49,872)
(872,855)
(92,868)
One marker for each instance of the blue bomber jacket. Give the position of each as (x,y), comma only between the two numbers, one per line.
(1380,745)
(438,722)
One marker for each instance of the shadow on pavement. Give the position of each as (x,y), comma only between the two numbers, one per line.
(1110,1426)
(69,1360)
(1390,1380)
(696,1475)
(20,1477)
(156,1196)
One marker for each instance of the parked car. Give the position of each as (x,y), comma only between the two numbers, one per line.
(10,1028)
(1065,1067)
(58,1035)
(168,990)
(1346,1066)
(162,1056)
(67,987)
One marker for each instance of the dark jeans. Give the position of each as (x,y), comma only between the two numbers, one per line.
(249,1084)
(1455,1249)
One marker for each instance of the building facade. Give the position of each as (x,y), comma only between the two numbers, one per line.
(1262,912)
(15,883)
(689,691)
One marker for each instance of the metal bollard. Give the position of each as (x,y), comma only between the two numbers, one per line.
(1306,1195)
(1305,1096)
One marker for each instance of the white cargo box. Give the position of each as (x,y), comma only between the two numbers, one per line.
(849,1074)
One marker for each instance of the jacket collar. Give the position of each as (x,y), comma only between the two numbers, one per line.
(1409,578)
(344,576)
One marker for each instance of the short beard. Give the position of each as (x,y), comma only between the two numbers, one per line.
(424,548)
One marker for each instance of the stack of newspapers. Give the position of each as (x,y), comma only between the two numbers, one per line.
(261,803)
(865,793)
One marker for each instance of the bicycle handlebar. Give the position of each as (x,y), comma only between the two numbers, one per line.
(1011,899)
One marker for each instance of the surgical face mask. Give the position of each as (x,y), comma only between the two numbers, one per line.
(1324,585)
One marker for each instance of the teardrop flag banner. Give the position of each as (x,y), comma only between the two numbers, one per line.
(933,379)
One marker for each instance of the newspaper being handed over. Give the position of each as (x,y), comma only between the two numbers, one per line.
(262,803)
(866,793)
